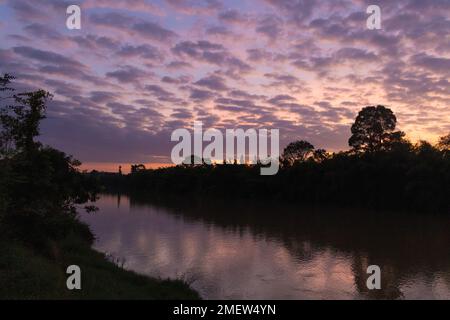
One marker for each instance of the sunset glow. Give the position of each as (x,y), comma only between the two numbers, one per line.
(137,70)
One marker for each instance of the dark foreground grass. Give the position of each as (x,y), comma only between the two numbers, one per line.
(26,274)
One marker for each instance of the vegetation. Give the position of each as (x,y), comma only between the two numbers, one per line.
(373,130)
(41,191)
(382,170)
(27,274)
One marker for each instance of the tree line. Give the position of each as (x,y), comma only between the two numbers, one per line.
(382,170)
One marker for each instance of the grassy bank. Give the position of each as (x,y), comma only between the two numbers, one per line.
(28,274)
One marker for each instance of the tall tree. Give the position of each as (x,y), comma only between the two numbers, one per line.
(374,129)
(297,151)
(20,118)
(40,187)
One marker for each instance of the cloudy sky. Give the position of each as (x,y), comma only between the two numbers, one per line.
(139,69)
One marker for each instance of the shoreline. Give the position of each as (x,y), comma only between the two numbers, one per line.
(30,274)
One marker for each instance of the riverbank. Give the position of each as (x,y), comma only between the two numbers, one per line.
(26,273)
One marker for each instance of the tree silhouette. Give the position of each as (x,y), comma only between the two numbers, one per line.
(137,167)
(40,187)
(404,176)
(396,141)
(374,129)
(20,120)
(297,151)
(444,143)
(320,155)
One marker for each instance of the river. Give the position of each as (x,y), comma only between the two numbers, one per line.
(229,250)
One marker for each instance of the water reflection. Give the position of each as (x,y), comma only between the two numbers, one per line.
(242,251)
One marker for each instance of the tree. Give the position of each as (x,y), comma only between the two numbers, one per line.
(320,155)
(396,141)
(5,80)
(137,167)
(40,187)
(193,161)
(444,143)
(20,120)
(297,151)
(5,134)
(374,129)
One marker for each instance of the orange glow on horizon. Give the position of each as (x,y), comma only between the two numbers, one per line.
(114,166)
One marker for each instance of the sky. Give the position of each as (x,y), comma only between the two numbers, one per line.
(137,70)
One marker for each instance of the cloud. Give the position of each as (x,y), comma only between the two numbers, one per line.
(132,25)
(195,7)
(177,64)
(63,88)
(162,94)
(218,31)
(282,79)
(232,16)
(212,82)
(431,63)
(280,99)
(44,32)
(178,80)
(127,74)
(181,114)
(144,51)
(257,55)
(199,95)
(103,96)
(46,56)
(135,5)
(137,69)
(212,53)
(95,43)
(271,26)
(297,10)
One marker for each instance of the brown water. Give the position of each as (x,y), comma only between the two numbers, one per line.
(243,251)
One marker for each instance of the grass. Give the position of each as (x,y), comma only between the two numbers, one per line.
(27,274)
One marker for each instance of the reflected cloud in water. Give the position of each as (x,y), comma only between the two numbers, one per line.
(242,251)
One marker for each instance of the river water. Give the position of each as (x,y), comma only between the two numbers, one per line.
(230,250)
